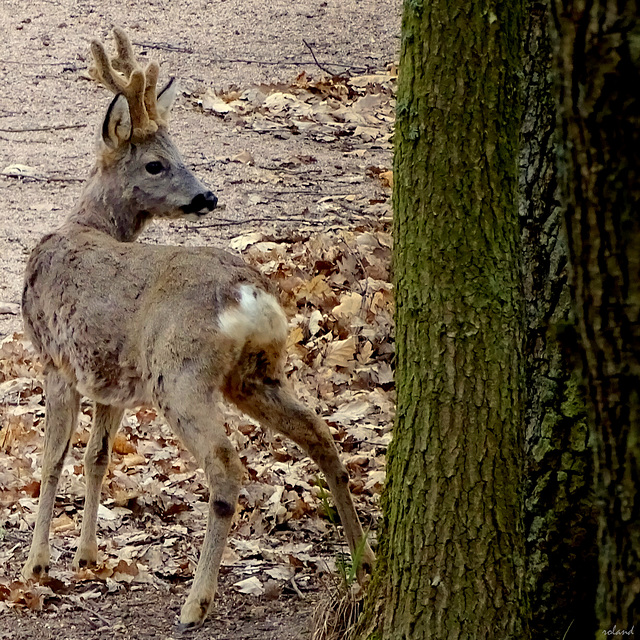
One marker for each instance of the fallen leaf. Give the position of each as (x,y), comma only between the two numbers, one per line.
(350,304)
(212,102)
(62,523)
(250,586)
(122,445)
(19,170)
(340,352)
(315,319)
(240,243)
(281,572)
(133,459)
(243,157)
(351,412)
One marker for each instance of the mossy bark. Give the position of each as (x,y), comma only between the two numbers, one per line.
(598,63)
(560,518)
(451,554)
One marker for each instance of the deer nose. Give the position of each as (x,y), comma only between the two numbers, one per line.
(201,204)
(210,201)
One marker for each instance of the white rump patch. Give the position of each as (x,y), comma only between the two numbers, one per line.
(259,318)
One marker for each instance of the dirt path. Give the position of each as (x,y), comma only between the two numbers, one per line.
(296,178)
(150,614)
(205,45)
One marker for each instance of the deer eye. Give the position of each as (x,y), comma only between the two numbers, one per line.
(154,168)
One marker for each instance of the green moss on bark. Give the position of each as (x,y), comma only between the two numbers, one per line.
(451,556)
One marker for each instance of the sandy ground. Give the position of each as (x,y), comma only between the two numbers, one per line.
(43,59)
(205,44)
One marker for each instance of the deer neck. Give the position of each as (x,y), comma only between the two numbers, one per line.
(104,207)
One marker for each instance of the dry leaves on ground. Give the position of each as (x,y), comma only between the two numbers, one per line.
(361,108)
(335,288)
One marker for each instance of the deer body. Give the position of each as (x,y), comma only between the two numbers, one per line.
(178,328)
(95,308)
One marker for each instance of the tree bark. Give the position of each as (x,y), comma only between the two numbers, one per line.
(560,518)
(451,553)
(598,63)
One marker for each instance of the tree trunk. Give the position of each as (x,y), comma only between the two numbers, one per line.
(451,553)
(598,63)
(560,520)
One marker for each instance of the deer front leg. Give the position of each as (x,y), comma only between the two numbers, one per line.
(276,407)
(62,404)
(205,438)
(106,421)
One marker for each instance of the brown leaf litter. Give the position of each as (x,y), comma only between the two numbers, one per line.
(335,288)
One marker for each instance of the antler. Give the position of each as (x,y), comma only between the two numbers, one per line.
(124,74)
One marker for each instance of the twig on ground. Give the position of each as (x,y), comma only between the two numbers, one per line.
(34,64)
(290,63)
(365,280)
(226,222)
(321,67)
(295,172)
(40,178)
(296,589)
(56,127)
(176,49)
(93,612)
(163,45)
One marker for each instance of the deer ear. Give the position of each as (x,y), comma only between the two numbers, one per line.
(116,127)
(166,98)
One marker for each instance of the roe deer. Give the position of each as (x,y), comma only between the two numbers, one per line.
(128,324)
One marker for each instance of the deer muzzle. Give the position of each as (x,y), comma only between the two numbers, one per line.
(201,204)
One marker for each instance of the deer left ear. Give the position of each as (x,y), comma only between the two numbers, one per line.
(116,126)
(166,98)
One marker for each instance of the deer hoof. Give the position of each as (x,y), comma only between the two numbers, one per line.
(36,567)
(366,568)
(193,614)
(189,626)
(85,557)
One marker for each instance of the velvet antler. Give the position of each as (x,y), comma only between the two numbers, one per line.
(124,74)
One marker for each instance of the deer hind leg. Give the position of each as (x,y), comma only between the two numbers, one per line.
(193,418)
(106,421)
(62,404)
(273,405)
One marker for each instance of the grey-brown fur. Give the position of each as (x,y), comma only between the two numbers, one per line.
(128,324)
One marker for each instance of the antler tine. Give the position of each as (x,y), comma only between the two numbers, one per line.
(125,61)
(151,78)
(102,70)
(137,85)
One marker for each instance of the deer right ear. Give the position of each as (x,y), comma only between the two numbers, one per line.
(166,98)
(116,127)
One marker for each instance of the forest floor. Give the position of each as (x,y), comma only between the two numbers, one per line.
(301,161)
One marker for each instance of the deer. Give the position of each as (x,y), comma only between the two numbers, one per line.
(126,324)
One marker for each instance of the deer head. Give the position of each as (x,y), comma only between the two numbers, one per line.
(138,164)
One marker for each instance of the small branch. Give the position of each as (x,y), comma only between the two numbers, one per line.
(57,127)
(321,67)
(40,178)
(304,170)
(164,46)
(296,589)
(93,612)
(9,308)
(278,63)
(225,222)
(34,64)
(287,63)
